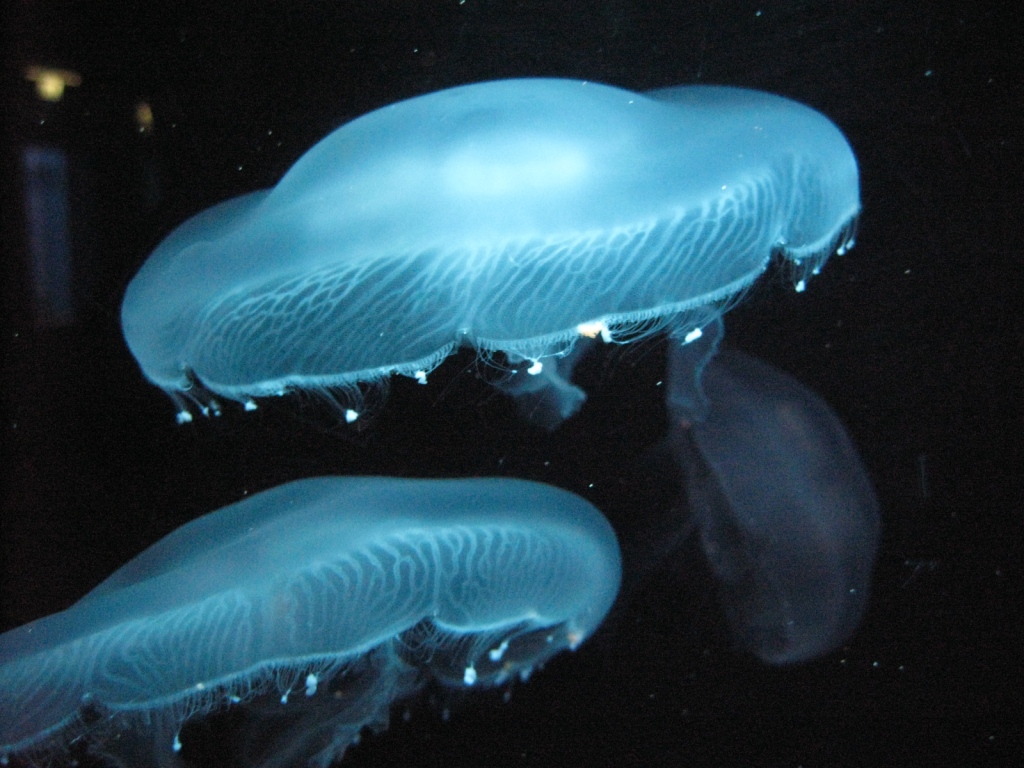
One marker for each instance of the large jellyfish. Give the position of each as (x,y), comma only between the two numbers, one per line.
(311,608)
(513,217)
(785,511)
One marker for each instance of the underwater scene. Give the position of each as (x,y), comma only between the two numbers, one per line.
(469,382)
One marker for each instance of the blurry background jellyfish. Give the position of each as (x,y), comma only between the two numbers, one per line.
(313,606)
(518,218)
(782,505)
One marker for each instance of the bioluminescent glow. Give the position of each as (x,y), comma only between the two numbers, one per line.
(314,606)
(512,217)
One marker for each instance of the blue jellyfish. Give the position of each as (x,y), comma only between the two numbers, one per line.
(514,217)
(784,509)
(311,607)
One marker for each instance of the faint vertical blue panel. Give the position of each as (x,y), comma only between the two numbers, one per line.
(49,238)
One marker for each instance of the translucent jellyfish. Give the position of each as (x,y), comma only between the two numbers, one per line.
(513,217)
(783,506)
(310,608)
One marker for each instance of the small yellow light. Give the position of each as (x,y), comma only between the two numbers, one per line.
(144,117)
(51,82)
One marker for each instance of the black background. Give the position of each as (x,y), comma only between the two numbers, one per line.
(914,337)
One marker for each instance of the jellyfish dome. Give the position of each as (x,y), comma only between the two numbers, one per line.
(310,608)
(511,217)
(784,508)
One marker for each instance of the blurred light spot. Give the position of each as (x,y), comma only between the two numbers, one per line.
(51,82)
(49,238)
(144,117)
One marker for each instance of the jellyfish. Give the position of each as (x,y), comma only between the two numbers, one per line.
(516,218)
(311,608)
(783,506)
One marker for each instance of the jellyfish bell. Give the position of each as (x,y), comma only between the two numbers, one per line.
(515,217)
(784,508)
(313,607)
